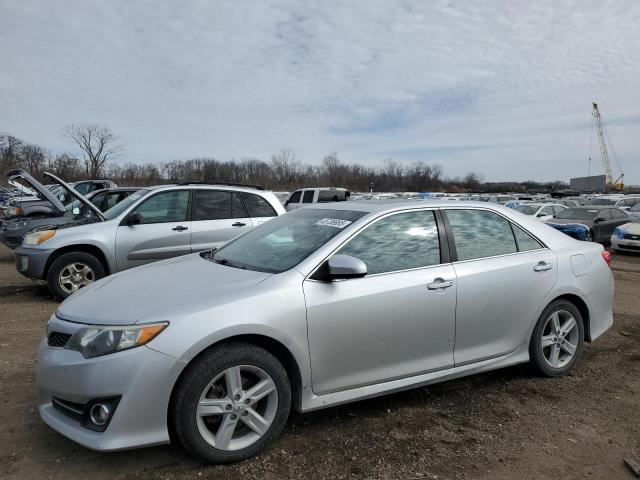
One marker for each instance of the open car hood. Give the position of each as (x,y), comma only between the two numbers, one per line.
(14,175)
(74,193)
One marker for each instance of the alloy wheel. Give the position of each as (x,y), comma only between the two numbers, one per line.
(75,276)
(560,338)
(237,408)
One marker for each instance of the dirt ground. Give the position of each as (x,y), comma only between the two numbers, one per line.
(500,425)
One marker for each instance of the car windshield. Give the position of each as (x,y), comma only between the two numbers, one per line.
(526,209)
(601,201)
(577,214)
(120,207)
(285,241)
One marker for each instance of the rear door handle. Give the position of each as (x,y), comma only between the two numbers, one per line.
(180,228)
(542,267)
(238,224)
(439,283)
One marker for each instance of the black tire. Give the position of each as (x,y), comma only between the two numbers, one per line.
(536,353)
(62,261)
(198,376)
(590,236)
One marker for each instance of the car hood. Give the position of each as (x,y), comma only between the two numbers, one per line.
(14,175)
(131,296)
(633,228)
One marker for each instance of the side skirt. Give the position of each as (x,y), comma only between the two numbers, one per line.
(311,401)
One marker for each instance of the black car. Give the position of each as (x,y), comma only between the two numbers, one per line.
(592,224)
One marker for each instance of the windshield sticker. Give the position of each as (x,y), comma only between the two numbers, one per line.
(334,222)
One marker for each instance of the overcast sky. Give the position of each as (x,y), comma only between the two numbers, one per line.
(500,88)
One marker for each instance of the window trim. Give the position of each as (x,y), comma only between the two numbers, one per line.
(148,197)
(452,246)
(442,237)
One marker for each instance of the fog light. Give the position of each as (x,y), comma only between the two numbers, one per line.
(99,414)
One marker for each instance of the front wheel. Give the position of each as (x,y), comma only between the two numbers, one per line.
(231,403)
(557,339)
(73,271)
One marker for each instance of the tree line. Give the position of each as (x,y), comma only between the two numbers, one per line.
(98,147)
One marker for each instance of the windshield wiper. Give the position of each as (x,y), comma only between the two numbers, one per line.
(227,263)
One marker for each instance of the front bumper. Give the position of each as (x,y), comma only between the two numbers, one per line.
(142,378)
(625,244)
(31,262)
(10,239)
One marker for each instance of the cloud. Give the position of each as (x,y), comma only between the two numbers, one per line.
(500,88)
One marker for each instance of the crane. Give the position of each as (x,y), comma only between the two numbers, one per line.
(597,123)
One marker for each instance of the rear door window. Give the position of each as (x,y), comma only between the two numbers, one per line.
(398,242)
(524,241)
(257,206)
(480,234)
(212,205)
(308,196)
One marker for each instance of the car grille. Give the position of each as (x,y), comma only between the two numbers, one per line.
(630,236)
(629,247)
(57,339)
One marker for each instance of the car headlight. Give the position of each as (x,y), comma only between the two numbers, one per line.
(36,238)
(14,211)
(103,340)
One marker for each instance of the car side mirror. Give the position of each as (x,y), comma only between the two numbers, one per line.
(541,214)
(345,266)
(134,219)
(75,211)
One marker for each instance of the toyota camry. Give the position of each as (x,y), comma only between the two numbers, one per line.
(324,305)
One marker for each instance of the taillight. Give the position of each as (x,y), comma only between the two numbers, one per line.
(607,257)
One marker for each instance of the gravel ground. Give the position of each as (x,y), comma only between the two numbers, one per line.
(498,425)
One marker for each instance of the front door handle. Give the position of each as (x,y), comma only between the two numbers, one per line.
(542,267)
(439,283)
(180,228)
(238,224)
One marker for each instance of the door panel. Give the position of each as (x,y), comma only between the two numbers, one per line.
(164,231)
(498,299)
(395,322)
(140,244)
(206,234)
(374,329)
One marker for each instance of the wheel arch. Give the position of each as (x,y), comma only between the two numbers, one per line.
(582,308)
(271,345)
(84,248)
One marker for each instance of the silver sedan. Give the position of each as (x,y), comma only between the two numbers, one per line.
(325,305)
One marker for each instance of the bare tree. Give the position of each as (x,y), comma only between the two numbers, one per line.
(97,143)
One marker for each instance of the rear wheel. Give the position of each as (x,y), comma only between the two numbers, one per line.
(231,403)
(73,271)
(557,339)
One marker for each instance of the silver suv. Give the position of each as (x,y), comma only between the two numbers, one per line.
(152,224)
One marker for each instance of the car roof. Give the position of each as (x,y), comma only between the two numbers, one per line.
(390,205)
(208,186)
